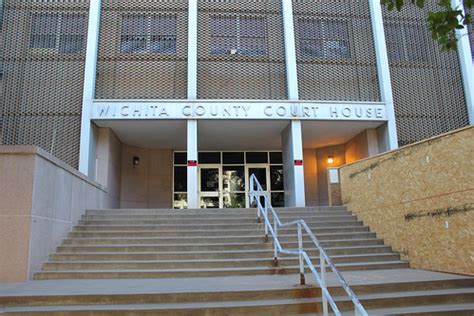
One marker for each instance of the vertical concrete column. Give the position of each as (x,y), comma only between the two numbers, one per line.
(192,49)
(192,149)
(290,50)
(293,169)
(465,62)
(383,73)
(87,143)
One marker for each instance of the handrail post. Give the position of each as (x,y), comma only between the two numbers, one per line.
(300,251)
(322,263)
(275,249)
(266,224)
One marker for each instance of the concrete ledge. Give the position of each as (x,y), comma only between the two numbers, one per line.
(35,150)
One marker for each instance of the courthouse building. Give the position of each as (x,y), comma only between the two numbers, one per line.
(174,103)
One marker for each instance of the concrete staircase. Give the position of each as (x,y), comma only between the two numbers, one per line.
(217,262)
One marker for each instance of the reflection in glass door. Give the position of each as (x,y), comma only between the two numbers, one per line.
(263,176)
(210,186)
(233,183)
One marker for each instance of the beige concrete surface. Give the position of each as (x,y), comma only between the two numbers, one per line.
(214,284)
(41,198)
(149,184)
(420,200)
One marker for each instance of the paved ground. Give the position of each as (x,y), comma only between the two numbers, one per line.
(214,284)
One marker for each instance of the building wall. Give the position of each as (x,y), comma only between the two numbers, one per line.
(140,75)
(41,88)
(310,177)
(241,76)
(109,163)
(344,70)
(41,199)
(150,183)
(426,82)
(364,144)
(420,200)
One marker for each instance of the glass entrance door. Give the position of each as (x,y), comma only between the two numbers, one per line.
(210,186)
(262,173)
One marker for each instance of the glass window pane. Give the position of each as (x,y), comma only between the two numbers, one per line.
(278,199)
(276,178)
(210,157)
(180,201)
(210,202)
(209,179)
(276,157)
(233,158)
(233,179)
(261,174)
(180,158)
(180,179)
(257,157)
(234,200)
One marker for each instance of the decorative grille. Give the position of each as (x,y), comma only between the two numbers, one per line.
(142,50)
(427,84)
(335,51)
(241,50)
(42,53)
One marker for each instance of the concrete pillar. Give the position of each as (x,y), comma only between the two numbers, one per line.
(383,72)
(290,50)
(192,49)
(293,169)
(87,144)
(465,62)
(192,149)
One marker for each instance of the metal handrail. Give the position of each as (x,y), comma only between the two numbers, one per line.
(255,193)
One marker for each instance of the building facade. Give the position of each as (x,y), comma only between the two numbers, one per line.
(175,103)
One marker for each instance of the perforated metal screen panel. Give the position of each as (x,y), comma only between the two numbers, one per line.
(241,50)
(142,50)
(427,85)
(42,53)
(335,51)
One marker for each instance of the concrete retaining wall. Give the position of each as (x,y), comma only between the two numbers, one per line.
(41,198)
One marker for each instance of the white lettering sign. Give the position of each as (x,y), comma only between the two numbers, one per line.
(238,110)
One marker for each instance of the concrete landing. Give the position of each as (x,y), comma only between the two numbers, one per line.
(215,284)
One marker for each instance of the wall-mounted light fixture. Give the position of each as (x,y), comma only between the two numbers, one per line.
(330,160)
(136,161)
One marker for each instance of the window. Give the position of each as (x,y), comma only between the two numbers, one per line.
(323,38)
(148,34)
(405,42)
(238,35)
(62,33)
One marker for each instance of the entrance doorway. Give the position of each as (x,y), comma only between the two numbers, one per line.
(224,178)
(210,186)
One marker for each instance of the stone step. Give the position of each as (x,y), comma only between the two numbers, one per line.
(215,246)
(466,309)
(161,297)
(212,216)
(220,226)
(200,221)
(207,263)
(208,272)
(204,239)
(220,212)
(205,232)
(219,254)
(416,298)
(251,292)
(229,308)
